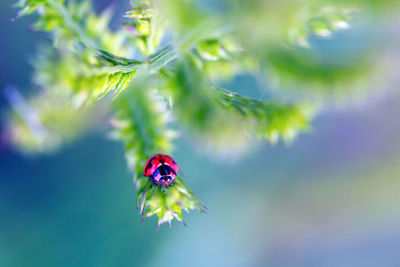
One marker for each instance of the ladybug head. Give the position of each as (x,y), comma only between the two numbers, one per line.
(165,181)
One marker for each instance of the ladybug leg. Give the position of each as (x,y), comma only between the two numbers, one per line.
(152,179)
(163,187)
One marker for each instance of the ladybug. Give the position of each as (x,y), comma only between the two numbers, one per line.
(161,169)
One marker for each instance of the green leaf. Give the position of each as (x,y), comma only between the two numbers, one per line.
(270,119)
(75,76)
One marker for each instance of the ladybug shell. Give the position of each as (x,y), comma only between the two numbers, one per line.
(156,161)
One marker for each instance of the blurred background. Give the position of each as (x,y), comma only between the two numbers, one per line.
(329,199)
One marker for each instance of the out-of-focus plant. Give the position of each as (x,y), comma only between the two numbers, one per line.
(166,63)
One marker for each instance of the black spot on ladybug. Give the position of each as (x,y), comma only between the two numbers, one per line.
(149,165)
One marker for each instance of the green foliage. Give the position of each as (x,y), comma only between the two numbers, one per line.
(321,22)
(77,67)
(141,122)
(67,73)
(270,119)
(165,63)
(146,25)
(44,122)
(312,74)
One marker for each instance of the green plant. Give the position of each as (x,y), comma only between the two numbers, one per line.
(164,67)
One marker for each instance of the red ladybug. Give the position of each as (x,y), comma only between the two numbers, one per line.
(161,169)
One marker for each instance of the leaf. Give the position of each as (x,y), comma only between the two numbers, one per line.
(73,76)
(271,119)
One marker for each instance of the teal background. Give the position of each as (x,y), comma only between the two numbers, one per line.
(330,199)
